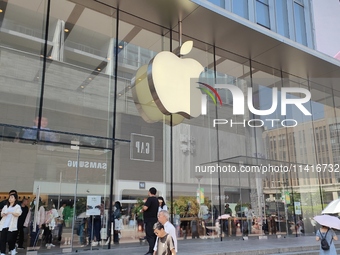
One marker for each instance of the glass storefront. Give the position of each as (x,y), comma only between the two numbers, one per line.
(70,132)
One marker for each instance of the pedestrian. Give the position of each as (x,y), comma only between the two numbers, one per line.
(227,210)
(150,210)
(163,218)
(21,221)
(165,245)
(36,220)
(300,226)
(162,205)
(4,202)
(60,221)
(50,216)
(329,235)
(117,209)
(9,224)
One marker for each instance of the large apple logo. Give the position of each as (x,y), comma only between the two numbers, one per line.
(145,103)
(170,83)
(166,87)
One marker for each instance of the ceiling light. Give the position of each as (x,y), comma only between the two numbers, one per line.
(120,46)
(1,10)
(90,78)
(49,57)
(108,58)
(99,69)
(66,30)
(119,94)
(82,86)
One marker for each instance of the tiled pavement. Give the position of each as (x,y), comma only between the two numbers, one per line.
(302,245)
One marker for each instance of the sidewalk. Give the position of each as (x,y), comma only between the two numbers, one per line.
(305,245)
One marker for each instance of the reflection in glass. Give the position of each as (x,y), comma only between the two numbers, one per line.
(220,3)
(262,13)
(282,17)
(300,25)
(240,7)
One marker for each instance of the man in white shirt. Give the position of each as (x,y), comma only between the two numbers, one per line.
(163,217)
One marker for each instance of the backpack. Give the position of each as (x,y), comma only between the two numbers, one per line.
(324,244)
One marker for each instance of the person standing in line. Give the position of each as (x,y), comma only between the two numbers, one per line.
(163,218)
(150,210)
(162,205)
(50,216)
(117,208)
(9,224)
(38,219)
(329,235)
(21,221)
(60,221)
(228,211)
(4,202)
(165,244)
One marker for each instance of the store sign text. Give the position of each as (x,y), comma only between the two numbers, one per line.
(87,164)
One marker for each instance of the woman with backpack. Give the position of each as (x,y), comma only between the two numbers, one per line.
(326,236)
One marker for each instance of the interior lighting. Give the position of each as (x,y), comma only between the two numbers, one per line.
(82,86)
(120,46)
(66,30)
(1,10)
(99,69)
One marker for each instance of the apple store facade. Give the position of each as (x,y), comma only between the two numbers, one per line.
(77,124)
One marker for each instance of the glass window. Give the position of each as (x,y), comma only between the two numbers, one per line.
(282,17)
(220,3)
(262,13)
(300,25)
(240,7)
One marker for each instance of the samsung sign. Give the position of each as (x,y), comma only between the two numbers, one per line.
(87,164)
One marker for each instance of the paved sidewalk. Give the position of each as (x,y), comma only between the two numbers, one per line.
(305,245)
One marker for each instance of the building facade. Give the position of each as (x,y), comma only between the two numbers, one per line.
(72,129)
(326,37)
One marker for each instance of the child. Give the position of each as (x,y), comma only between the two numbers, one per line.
(165,243)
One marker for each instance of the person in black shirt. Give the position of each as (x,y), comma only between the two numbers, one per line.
(150,210)
(21,221)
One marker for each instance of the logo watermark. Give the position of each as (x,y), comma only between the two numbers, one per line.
(286,98)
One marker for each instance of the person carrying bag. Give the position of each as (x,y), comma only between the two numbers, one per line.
(326,236)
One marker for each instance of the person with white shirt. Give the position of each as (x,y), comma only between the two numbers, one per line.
(163,218)
(162,205)
(9,223)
